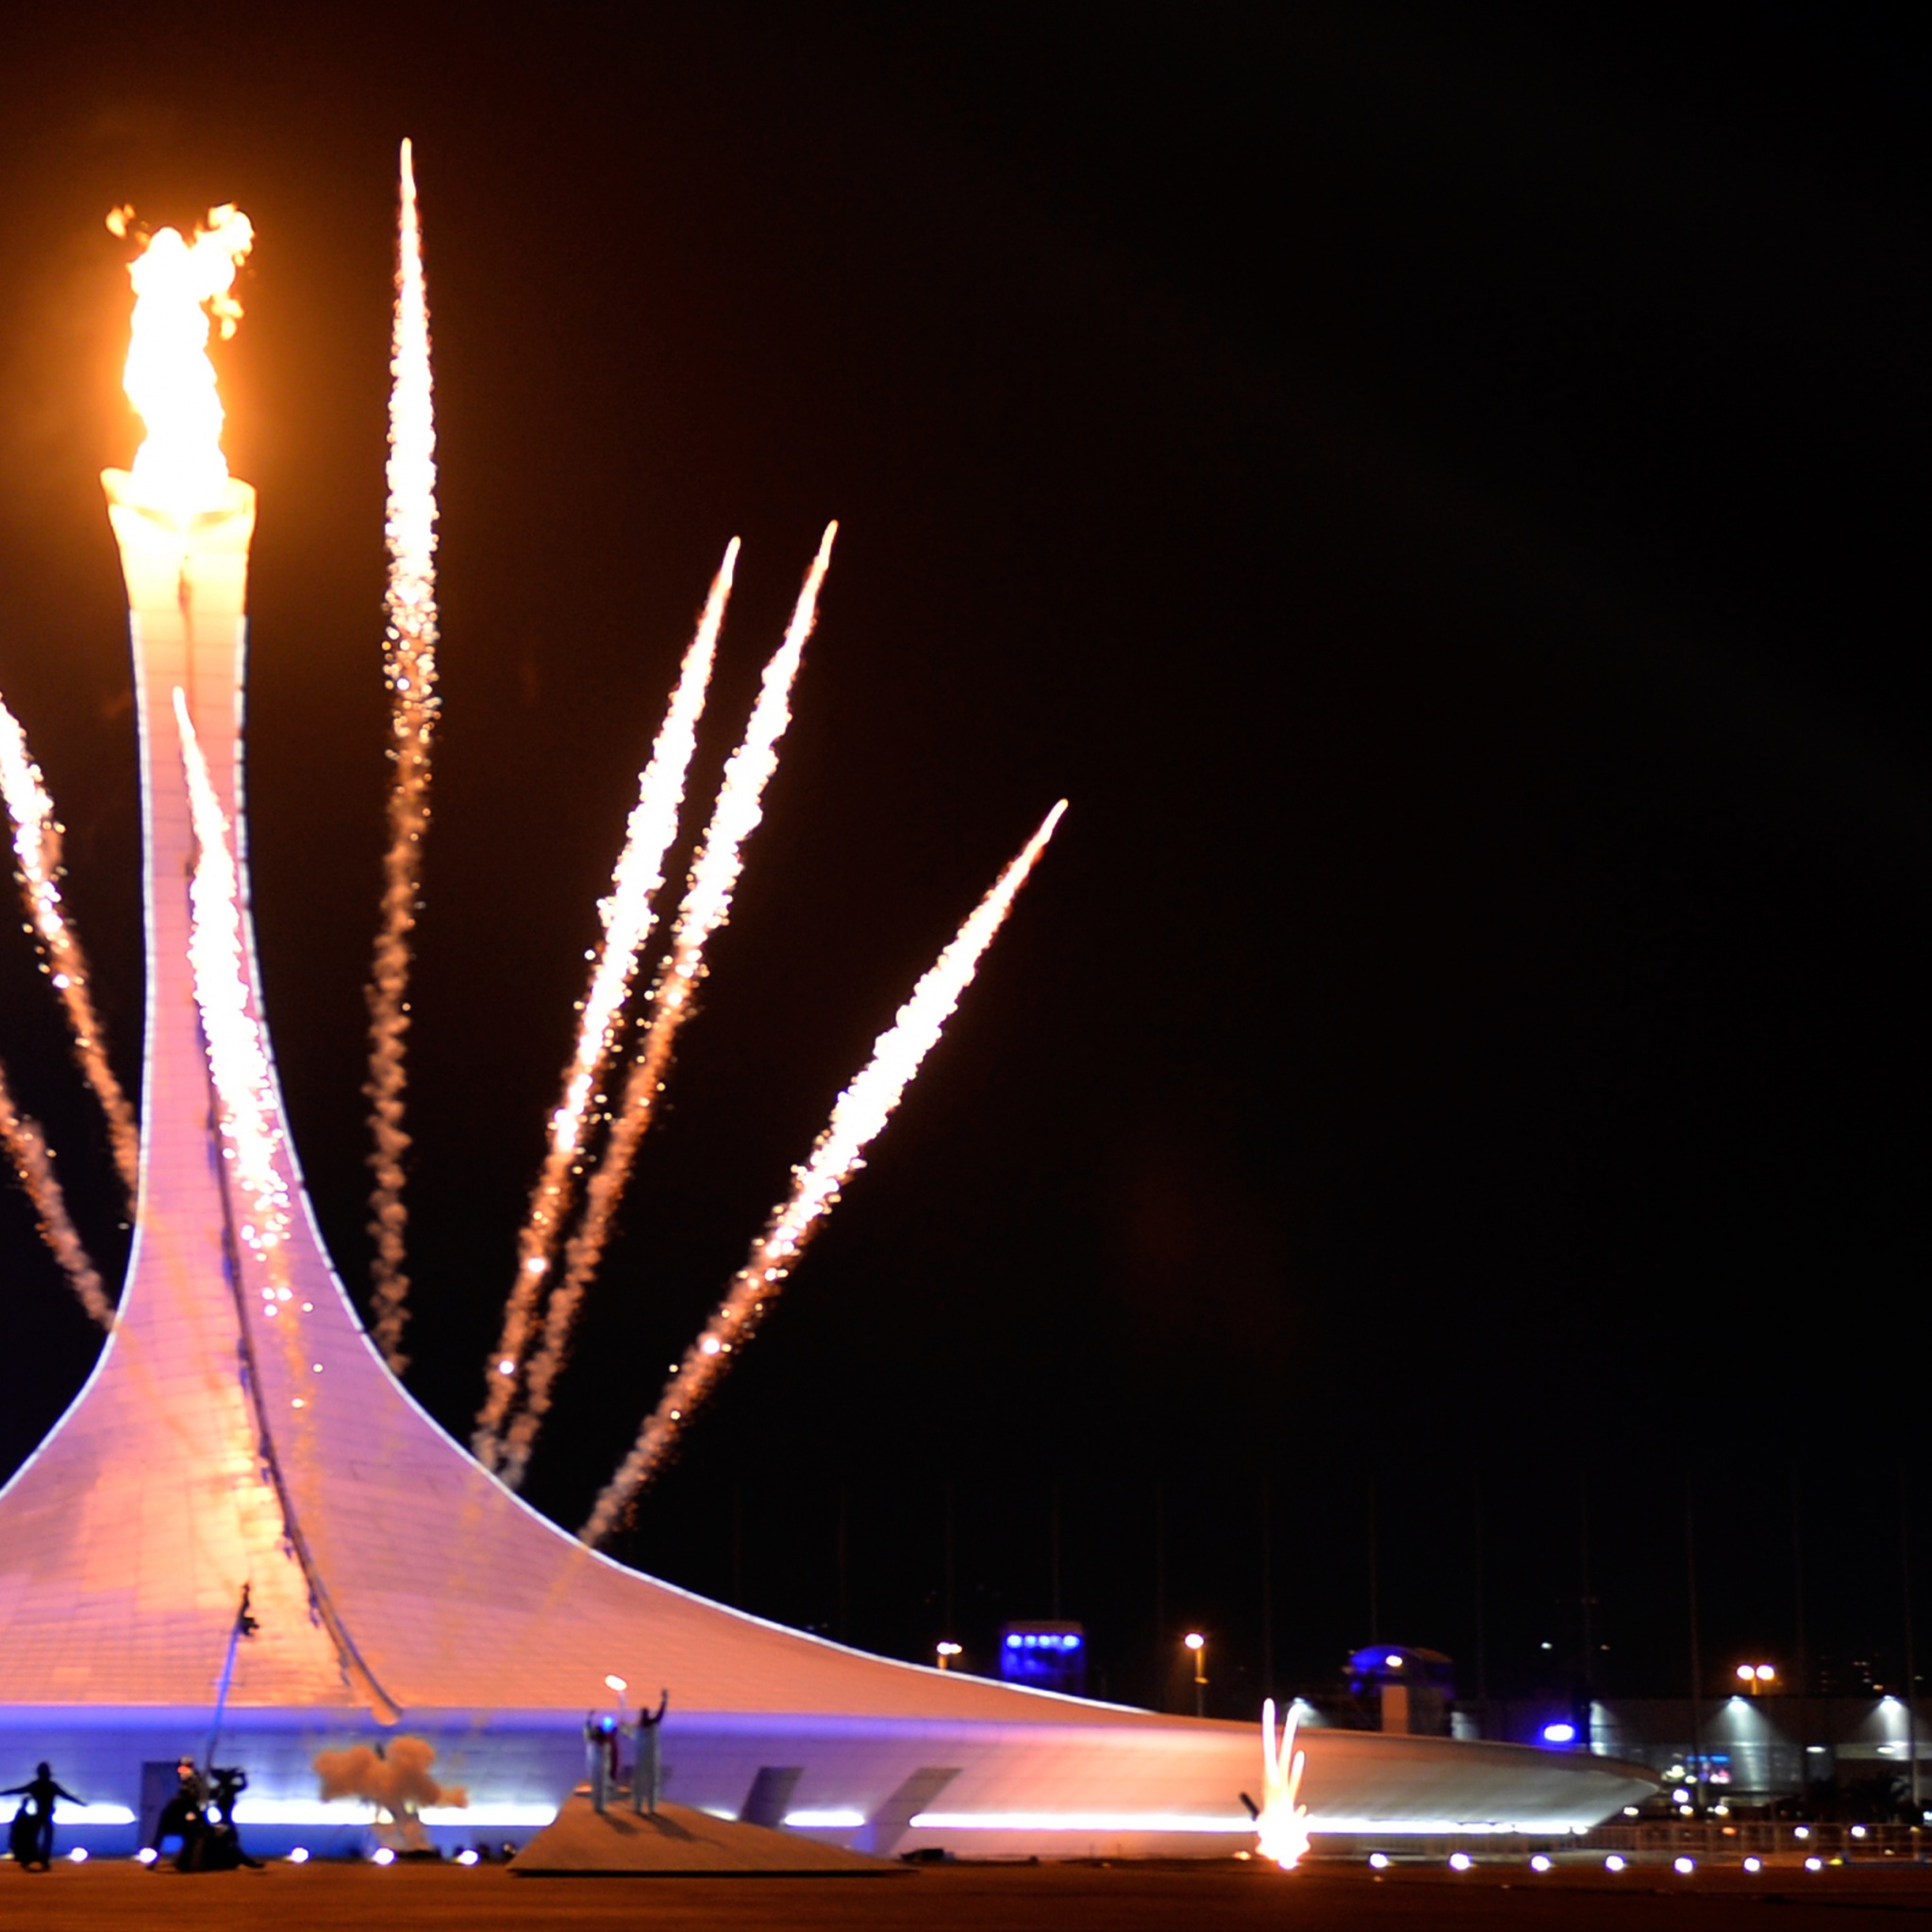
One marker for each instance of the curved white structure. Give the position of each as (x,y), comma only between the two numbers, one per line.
(396,1583)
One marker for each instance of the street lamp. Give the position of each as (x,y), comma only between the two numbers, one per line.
(947,1651)
(1198,1644)
(1756,1678)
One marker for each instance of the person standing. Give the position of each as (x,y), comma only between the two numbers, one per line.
(37,1814)
(647,1779)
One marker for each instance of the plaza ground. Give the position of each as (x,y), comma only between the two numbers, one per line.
(1200,1897)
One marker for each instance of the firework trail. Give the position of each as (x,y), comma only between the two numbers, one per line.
(1282,1823)
(409,639)
(858,1116)
(707,905)
(628,916)
(37,859)
(33,1161)
(237,1053)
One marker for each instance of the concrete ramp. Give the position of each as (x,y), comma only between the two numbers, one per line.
(680,1842)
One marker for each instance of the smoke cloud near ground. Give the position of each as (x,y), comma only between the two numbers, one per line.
(395,1778)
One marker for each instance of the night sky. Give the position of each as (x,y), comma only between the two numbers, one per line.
(1435,489)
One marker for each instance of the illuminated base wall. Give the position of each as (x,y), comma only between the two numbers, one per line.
(1055,1787)
(397,1584)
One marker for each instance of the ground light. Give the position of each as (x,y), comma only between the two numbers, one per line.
(299,1856)
(384,1855)
(77,1855)
(467,1856)
(1814,1863)
(1754,1864)
(146,1856)
(1538,1863)
(1614,1863)
(1683,1867)
(1378,1861)
(1458,1861)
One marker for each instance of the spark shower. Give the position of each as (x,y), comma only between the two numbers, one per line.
(183,525)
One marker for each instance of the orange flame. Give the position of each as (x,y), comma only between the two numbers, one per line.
(858,1117)
(179,287)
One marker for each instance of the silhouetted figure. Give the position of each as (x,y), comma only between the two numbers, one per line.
(647,1779)
(221,1845)
(185,1816)
(31,1836)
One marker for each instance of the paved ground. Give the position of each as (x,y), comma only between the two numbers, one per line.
(966,1898)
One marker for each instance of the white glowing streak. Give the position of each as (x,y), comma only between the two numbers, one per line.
(409,670)
(707,905)
(178,286)
(33,1161)
(628,916)
(237,1052)
(858,1116)
(1283,1825)
(37,859)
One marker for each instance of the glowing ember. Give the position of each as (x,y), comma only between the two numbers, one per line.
(628,915)
(37,859)
(409,668)
(706,905)
(858,1116)
(33,1161)
(178,286)
(1283,1825)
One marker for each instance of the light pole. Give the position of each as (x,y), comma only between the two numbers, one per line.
(1198,1644)
(947,1651)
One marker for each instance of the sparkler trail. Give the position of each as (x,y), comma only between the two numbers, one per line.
(858,1116)
(33,1161)
(628,916)
(36,857)
(410,643)
(707,905)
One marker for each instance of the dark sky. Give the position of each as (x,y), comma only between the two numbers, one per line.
(1433,489)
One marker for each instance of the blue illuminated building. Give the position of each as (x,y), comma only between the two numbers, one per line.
(1046,1656)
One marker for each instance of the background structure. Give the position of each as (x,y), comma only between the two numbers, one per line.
(1435,493)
